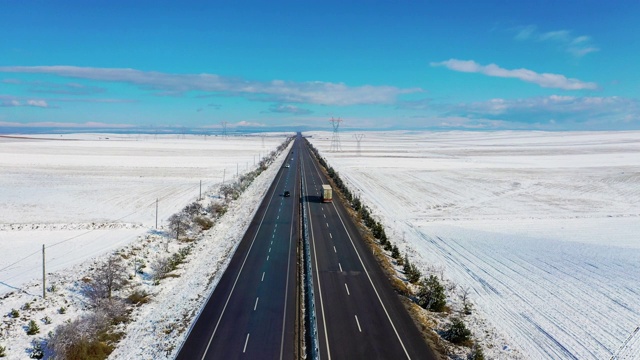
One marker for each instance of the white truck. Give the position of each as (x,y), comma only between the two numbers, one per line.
(327,194)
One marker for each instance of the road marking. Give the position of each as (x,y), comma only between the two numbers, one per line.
(262,276)
(334,250)
(256,305)
(371,282)
(331,236)
(269,249)
(278,218)
(247,341)
(267,257)
(357,322)
(340,267)
(271,242)
(325,216)
(273,236)
(327,224)
(224,308)
(345,286)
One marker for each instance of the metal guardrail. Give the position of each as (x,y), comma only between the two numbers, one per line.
(310,314)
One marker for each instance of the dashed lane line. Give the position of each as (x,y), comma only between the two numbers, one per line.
(244,350)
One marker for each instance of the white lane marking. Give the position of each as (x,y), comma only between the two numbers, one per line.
(269,249)
(322,208)
(325,216)
(204,355)
(273,236)
(371,282)
(256,305)
(245,344)
(345,286)
(262,276)
(271,242)
(267,257)
(327,224)
(331,236)
(340,267)
(334,250)
(278,218)
(358,322)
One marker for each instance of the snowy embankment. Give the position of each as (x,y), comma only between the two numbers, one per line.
(78,247)
(83,195)
(542,228)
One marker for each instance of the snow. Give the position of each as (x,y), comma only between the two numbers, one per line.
(117,219)
(541,227)
(66,189)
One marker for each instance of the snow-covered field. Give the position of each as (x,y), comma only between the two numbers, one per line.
(83,195)
(543,228)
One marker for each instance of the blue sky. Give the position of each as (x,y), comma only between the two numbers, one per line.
(548,65)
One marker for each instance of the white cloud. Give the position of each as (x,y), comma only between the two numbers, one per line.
(10,101)
(556,109)
(577,46)
(314,92)
(66,125)
(545,80)
(288,109)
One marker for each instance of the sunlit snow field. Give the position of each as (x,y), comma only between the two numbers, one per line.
(83,195)
(544,228)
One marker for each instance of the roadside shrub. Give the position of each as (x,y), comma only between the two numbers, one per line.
(26,306)
(411,271)
(395,253)
(457,332)
(138,297)
(3,351)
(476,353)
(14,313)
(203,222)
(62,310)
(431,295)
(36,350)
(32,328)
(46,320)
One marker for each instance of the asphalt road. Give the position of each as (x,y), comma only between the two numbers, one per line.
(251,313)
(359,315)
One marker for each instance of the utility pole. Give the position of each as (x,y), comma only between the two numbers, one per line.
(358,138)
(335,140)
(44,276)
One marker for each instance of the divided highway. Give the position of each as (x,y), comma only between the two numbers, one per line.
(359,315)
(252,311)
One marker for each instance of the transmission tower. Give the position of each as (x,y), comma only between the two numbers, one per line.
(224,129)
(335,140)
(358,138)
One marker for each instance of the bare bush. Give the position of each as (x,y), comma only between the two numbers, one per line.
(178,224)
(109,277)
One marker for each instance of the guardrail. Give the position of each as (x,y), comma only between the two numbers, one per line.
(311,326)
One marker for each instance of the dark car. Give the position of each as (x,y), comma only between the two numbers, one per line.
(287,193)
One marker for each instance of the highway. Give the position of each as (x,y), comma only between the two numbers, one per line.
(251,314)
(359,315)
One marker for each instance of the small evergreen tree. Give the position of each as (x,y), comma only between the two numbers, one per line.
(413,275)
(395,253)
(32,328)
(3,351)
(431,294)
(14,313)
(457,332)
